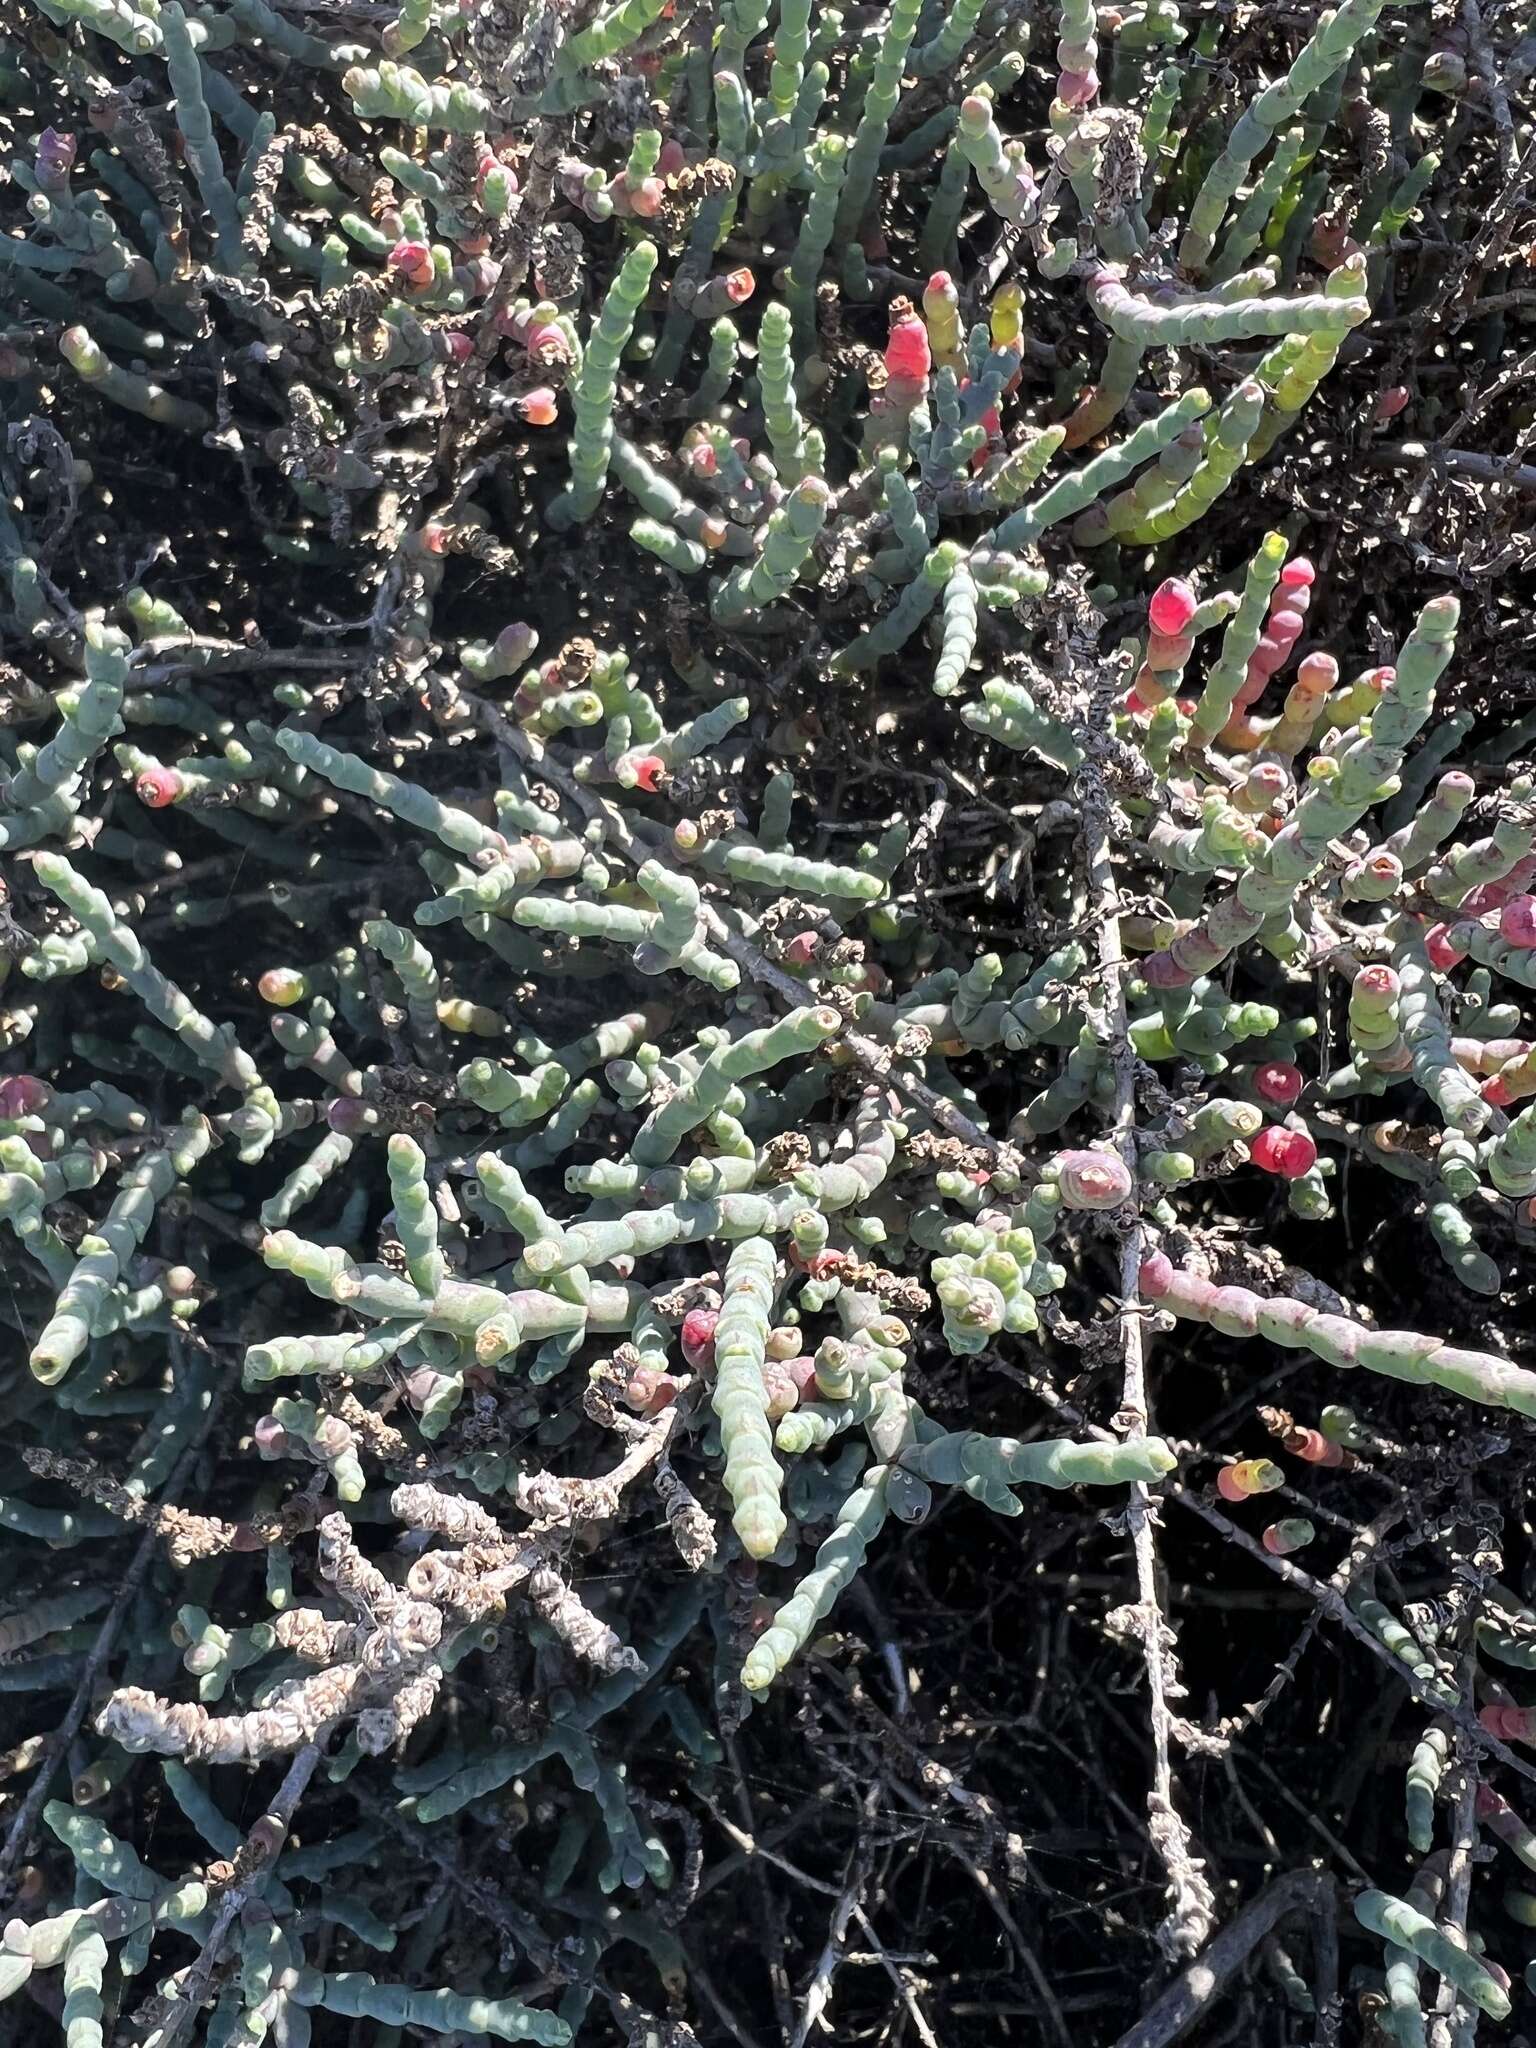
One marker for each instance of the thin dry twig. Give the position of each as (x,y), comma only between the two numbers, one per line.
(818,1993)
(1193,1904)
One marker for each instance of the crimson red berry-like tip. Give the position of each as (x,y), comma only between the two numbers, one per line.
(1287,1154)
(1155,1276)
(1442,950)
(1278,1081)
(1172,606)
(22,1095)
(908,357)
(157,787)
(698,1336)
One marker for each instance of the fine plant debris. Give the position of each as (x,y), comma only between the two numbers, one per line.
(767,1023)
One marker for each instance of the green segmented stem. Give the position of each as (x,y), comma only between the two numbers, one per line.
(1247,231)
(719,368)
(1332,807)
(90,716)
(686,556)
(127,388)
(909,526)
(941,224)
(1465,868)
(1063,1097)
(1167,90)
(457,830)
(1295,367)
(353,1994)
(943,51)
(1397,1921)
(119,22)
(1374,1031)
(1488,949)
(1226,449)
(838,1560)
(410,27)
(1241,636)
(610,33)
(791,46)
(105,1254)
(1007,712)
(263,23)
(1398,1354)
(787,543)
(829,156)
(21,1209)
(952,1459)
(397,92)
(213,1045)
(596,384)
(326,1440)
(660,498)
(787,428)
(761,868)
(1451,1230)
(418,976)
(1075,493)
(1137,320)
(1454,1093)
(891,633)
(1404,203)
(515,1098)
(1324,53)
(1103,401)
(880,101)
(958,637)
(1511,1159)
(527,1215)
(816,1423)
(1220,840)
(103,1857)
(798,1033)
(1001,174)
(740,1399)
(352,1353)
(415,1214)
(202,151)
(526,1315)
(85,1963)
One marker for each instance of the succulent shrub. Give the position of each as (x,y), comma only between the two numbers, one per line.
(685,764)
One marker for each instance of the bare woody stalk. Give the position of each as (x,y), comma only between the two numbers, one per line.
(1192,1903)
